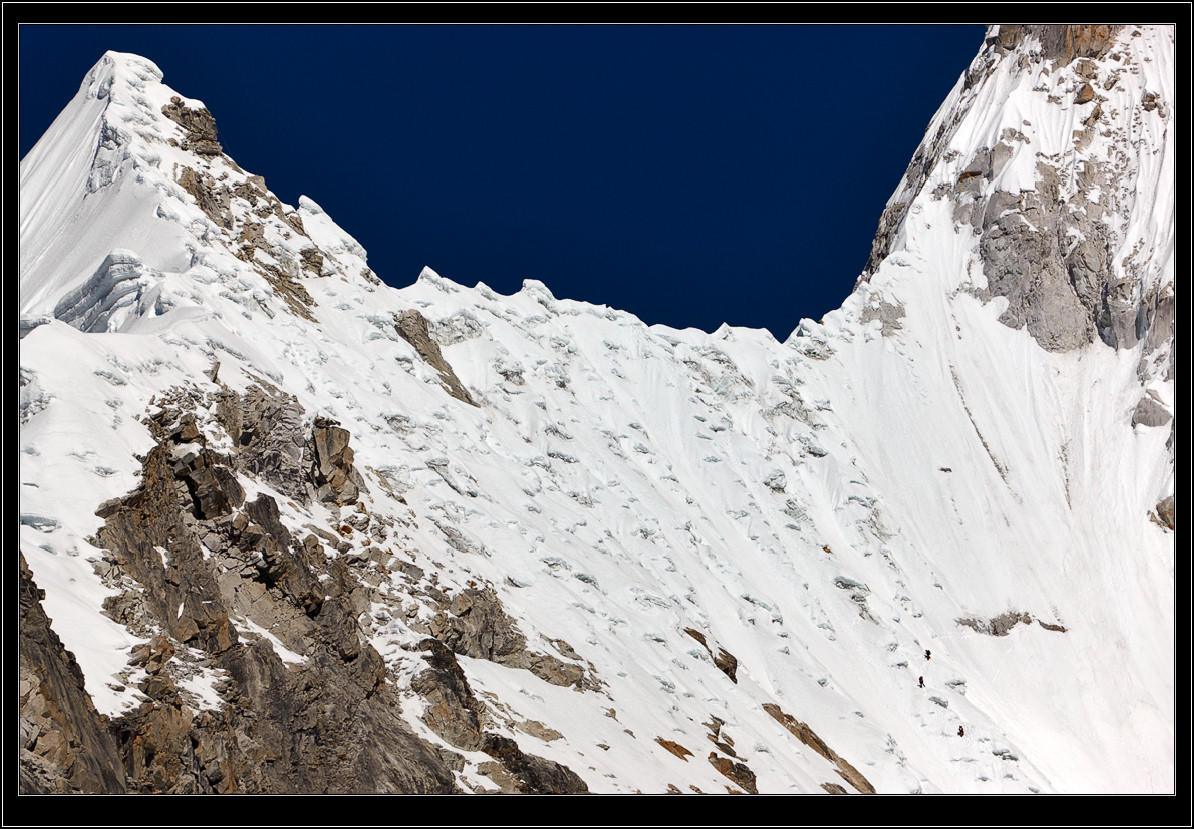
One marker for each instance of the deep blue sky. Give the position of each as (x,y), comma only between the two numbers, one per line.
(691,175)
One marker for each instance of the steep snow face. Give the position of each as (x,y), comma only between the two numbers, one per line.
(1055,149)
(1041,199)
(720,531)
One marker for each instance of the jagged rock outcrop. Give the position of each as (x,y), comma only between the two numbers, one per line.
(1150,411)
(455,714)
(452,709)
(212,199)
(191,555)
(198,124)
(535,775)
(476,625)
(65,745)
(1061,43)
(725,661)
(412,327)
(809,737)
(1165,512)
(739,773)
(307,707)
(267,427)
(335,479)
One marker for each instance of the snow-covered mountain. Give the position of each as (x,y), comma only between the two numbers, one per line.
(299,531)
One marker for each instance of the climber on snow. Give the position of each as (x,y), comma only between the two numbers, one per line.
(961,731)
(928,655)
(921,679)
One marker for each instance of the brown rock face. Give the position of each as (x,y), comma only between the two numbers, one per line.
(451,706)
(1165,511)
(725,661)
(335,479)
(477,625)
(809,737)
(675,748)
(740,773)
(1062,43)
(326,720)
(212,199)
(536,775)
(412,327)
(64,742)
(267,427)
(454,713)
(199,124)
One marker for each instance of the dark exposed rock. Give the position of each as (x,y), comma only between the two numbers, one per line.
(889,224)
(478,626)
(725,661)
(212,199)
(412,327)
(1154,325)
(740,773)
(284,563)
(675,748)
(998,625)
(1060,43)
(153,655)
(536,775)
(64,743)
(312,260)
(723,742)
(214,489)
(147,537)
(267,427)
(332,472)
(809,737)
(451,710)
(286,285)
(323,727)
(1150,412)
(199,124)
(325,721)
(1165,512)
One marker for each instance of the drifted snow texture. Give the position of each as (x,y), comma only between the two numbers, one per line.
(285,529)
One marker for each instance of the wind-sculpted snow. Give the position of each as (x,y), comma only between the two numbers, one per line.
(576,552)
(117,284)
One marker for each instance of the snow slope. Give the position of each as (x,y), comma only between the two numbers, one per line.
(827,510)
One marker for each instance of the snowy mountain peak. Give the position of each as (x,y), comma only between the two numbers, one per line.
(1054,152)
(305,532)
